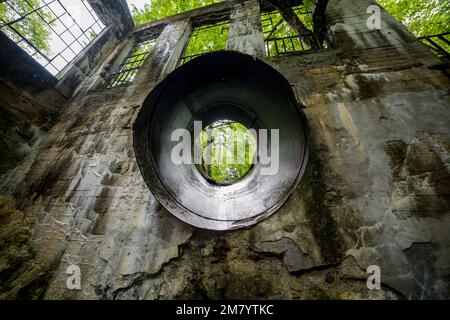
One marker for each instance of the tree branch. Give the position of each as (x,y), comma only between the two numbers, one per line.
(293,21)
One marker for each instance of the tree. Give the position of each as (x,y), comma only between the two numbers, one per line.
(228,149)
(300,24)
(207,39)
(203,40)
(289,15)
(288,22)
(30,26)
(421,17)
(157,9)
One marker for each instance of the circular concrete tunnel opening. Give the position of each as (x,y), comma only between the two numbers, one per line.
(249,101)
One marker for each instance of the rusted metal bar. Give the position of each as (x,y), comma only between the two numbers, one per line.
(431,41)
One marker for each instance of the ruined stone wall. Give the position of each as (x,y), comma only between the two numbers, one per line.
(28,103)
(376,189)
(31,98)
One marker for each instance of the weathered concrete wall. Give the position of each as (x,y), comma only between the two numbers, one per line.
(28,103)
(245,33)
(31,98)
(376,190)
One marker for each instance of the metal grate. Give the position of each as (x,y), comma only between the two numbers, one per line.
(303,43)
(204,39)
(439,44)
(127,71)
(274,25)
(280,39)
(183,60)
(66,27)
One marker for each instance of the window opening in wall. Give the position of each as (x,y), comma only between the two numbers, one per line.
(53,32)
(127,70)
(204,39)
(281,38)
(228,149)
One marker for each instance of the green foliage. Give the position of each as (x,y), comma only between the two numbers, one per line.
(207,39)
(203,39)
(157,9)
(32,27)
(274,27)
(422,17)
(228,149)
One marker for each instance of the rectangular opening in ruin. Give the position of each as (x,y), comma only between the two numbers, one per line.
(128,69)
(280,38)
(53,32)
(204,39)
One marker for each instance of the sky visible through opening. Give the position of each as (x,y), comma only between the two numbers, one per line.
(76,25)
(72,25)
(137,3)
(66,28)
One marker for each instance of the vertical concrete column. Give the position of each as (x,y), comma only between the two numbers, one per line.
(348,26)
(166,52)
(245,34)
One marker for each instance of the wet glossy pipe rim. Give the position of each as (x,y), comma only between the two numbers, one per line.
(192,200)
